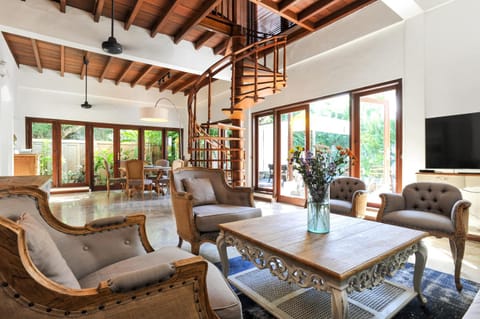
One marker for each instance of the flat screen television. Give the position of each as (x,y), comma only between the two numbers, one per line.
(453,142)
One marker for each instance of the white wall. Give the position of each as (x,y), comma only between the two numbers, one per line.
(452,63)
(8,85)
(48,95)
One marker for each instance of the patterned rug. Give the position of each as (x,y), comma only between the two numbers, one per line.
(444,302)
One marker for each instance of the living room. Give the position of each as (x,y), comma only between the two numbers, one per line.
(433,53)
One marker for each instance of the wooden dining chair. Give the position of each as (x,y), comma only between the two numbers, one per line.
(136,180)
(112,180)
(161,179)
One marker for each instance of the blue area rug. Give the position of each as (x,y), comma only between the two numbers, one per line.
(444,302)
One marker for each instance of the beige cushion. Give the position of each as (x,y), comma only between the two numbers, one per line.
(201,190)
(45,254)
(342,207)
(221,297)
(208,217)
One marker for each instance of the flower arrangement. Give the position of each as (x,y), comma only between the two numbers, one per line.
(320,168)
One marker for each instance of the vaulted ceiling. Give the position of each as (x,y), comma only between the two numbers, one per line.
(203,23)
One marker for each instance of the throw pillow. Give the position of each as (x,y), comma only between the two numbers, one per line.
(201,190)
(45,254)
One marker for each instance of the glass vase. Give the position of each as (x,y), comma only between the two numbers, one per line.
(318,207)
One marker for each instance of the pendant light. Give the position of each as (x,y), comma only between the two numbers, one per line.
(85,104)
(111,45)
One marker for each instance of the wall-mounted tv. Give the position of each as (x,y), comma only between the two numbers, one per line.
(453,142)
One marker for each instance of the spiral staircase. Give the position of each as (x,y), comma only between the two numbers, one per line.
(257,70)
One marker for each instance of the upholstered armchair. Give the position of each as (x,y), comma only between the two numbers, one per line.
(348,196)
(105,269)
(437,208)
(201,200)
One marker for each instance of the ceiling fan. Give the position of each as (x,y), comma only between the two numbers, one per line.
(111,45)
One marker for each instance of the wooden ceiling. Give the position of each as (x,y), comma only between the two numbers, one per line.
(204,23)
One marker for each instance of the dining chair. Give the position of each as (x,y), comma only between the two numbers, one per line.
(136,177)
(112,180)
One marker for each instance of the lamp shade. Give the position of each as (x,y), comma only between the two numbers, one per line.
(153,114)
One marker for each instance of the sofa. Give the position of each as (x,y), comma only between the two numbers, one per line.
(202,199)
(105,269)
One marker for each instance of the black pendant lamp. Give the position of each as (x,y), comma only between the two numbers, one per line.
(85,104)
(111,45)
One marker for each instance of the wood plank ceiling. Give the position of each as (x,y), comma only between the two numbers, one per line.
(204,23)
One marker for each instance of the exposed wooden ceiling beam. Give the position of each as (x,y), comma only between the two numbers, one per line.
(158,78)
(124,73)
(165,85)
(206,8)
(105,69)
(213,23)
(207,35)
(62,60)
(188,82)
(63,5)
(163,19)
(133,14)
(312,9)
(285,4)
(84,69)
(272,6)
(98,9)
(349,9)
(147,69)
(221,48)
(36,53)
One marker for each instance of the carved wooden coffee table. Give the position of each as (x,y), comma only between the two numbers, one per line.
(356,255)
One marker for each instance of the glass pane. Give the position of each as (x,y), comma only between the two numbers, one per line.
(102,148)
(173,145)
(42,145)
(73,153)
(153,146)
(265,152)
(330,121)
(128,144)
(293,128)
(377,143)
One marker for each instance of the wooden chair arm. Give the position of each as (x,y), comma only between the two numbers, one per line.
(459,216)
(182,205)
(359,203)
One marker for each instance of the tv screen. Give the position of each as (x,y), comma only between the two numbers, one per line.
(453,142)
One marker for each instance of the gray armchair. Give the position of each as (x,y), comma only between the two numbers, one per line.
(348,196)
(433,207)
(201,200)
(105,269)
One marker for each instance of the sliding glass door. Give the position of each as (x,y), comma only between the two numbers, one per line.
(73,155)
(292,132)
(377,140)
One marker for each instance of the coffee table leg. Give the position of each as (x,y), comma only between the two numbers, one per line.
(420,261)
(222,252)
(339,304)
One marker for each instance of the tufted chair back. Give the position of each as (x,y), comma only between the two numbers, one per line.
(436,198)
(343,188)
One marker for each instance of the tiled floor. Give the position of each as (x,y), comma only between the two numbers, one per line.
(79,208)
